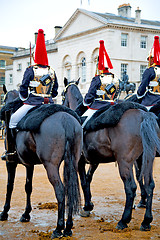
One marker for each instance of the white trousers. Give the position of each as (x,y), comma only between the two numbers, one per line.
(88,114)
(19,114)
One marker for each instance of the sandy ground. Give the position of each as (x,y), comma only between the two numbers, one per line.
(107,195)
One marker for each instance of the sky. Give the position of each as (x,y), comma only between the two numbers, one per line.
(20,19)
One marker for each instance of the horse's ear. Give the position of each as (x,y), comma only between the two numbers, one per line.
(4,88)
(65,81)
(77,82)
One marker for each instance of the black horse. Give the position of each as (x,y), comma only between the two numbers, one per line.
(58,138)
(134,137)
(11,171)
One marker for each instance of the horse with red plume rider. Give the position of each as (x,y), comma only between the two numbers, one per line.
(39,86)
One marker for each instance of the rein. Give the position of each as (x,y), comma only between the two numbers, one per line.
(65,90)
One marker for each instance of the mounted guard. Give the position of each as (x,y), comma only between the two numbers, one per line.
(102,88)
(148,89)
(39,86)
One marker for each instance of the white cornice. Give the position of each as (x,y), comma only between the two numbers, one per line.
(111,26)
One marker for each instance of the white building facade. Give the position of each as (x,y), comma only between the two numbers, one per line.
(74,50)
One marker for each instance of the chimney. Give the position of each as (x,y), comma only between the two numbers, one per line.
(124,10)
(57,29)
(36,34)
(138,16)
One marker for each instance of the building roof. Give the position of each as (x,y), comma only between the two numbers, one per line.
(110,18)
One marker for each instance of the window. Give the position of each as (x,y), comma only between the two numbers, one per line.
(83,70)
(2,99)
(124,40)
(143,43)
(69,75)
(2,80)
(10,78)
(19,67)
(142,69)
(2,63)
(123,68)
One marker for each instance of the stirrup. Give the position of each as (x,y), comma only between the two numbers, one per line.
(9,157)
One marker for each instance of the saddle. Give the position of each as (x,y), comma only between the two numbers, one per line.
(109,116)
(33,119)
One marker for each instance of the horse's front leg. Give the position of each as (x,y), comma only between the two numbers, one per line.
(85,183)
(130,190)
(54,178)
(149,187)
(11,170)
(28,188)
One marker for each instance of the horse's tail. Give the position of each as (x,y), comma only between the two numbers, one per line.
(71,182)
(150,140)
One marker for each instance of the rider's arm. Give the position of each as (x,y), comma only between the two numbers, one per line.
(90,96)
(147,76)
(28,76)
(54,91)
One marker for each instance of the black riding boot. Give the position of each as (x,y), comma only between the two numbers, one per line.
(10,155)
(81,109)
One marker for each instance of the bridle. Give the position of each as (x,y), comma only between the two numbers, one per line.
(65,91)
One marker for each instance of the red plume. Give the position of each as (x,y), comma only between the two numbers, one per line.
(102,53)
(40,51)
(156,50)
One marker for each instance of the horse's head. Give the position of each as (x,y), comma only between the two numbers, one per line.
(10,96)
(71,96)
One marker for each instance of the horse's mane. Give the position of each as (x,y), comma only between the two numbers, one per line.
(76,92)
(13,106)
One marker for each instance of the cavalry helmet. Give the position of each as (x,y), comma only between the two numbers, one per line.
(40,57)
(155,51)
(104,61)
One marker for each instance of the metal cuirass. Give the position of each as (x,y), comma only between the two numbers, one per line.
(108,86)
(36,85)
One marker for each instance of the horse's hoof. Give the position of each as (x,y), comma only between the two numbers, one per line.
(141,205)
(121,225)
(25,219)
(145,227)
(56,234)
(3,216)
(89,207)
(67,233)
(84,213)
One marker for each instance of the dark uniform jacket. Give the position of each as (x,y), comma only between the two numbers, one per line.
(93,100)
(30,98)
(149,98)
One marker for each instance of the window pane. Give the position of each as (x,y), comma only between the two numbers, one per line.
(83,70)
(2,64)
(143,43)
(2,80)
(69,75)
(123,68)
(10,78)
(123,40)
(142,69)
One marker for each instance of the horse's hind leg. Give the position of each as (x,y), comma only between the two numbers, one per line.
(54,178)
(138,165)
(149,187)
(11,170)
(130,190)
(85,183)
(28,188)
